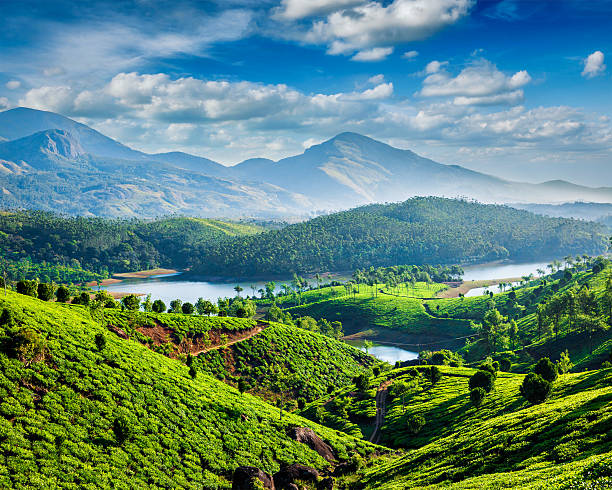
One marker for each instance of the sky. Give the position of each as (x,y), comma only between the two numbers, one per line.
(518,89)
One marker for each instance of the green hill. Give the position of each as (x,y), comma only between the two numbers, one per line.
(420,230)
(103,246)
(76,411)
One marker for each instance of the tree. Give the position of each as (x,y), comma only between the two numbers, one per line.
(158,306)
(399,389)
(175,306)
(361,382)
(62,294)
(242,385)
(477,396)
(192,372)
(147,305)
(482,379)
(45,291)
(415,423)
(205,307)
(238,289)
(367,345)
(535,388)
(28,288)
(545,368)
(82,299)
(270,287)
(564,364)
(131,302)
(433,374)
(301,402)
(187,308)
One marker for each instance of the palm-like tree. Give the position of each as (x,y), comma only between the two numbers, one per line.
(238,289)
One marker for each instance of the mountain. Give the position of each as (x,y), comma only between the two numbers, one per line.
(193,163)
(21,121)
(352,169)
(421,230)
(85,172)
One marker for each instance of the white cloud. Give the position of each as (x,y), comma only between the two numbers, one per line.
(434,66)
(374,24)
(382,91)
(13,84)
(376,79)
(594,65)
(53,71)
(4,103)
(480,83)
(374,54)
(298,9)
(410,55)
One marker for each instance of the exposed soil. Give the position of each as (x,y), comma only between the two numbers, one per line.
(381,409)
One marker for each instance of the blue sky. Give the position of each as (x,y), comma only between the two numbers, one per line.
(518,89)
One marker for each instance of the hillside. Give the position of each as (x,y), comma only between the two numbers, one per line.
(506,442)
(420,230)
(106,246)
(102,177)
(78,412)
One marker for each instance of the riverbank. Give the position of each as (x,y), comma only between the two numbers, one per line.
(122,276)
(465,286)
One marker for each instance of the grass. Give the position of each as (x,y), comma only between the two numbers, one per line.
(57,412)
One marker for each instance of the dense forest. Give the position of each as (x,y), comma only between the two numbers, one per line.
(102,246)
(420,230)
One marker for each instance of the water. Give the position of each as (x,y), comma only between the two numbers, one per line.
(387,353)
(494,288)
(171,286)
(502,270)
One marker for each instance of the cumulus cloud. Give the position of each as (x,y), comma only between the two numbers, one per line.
(480,83)
(13,84)
(594,65)
(375,24)
(4,103)
(298,9)
(410,55)
(376,79)
(374,54)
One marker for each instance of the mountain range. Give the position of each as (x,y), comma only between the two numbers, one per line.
(51,162)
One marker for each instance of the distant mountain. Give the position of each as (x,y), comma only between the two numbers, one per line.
(55,163)
(591,211)
(21,121)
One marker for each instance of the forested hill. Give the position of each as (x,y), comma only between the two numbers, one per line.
(108,245)
(420,230)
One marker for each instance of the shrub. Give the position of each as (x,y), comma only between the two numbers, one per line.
(159,306)
(29,288)
(62,294)
(187,308)
(361,382)
(415,423)
(477,395)
(535,388)
(482,379)
(131,302)
(29,346)
(301,402)
(545,368)
(100,341)
(81,299)
(376,370)
(45,291)
(505,365)
(490,367)
(192,372)
(434,374)
(243,386)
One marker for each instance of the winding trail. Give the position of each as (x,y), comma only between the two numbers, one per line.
(381,402)
(251,333)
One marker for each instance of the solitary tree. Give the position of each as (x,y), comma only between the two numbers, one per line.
(477,396)
(45,291)
(187,308)
(131,302)
(158,306)
(535,388)
(545,368)
(62,294)
(238,289)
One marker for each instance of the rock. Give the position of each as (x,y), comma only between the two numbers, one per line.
(307,436)
(289,474)
(248,477)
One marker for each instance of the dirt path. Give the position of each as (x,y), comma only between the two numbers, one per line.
(381,402)
(258,329)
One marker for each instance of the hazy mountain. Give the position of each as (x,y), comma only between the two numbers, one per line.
(55,163)
(591,211)
(192,162)
(21,121)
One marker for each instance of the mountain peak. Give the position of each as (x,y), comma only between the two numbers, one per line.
(61,143)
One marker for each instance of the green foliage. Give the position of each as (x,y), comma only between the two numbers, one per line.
(100,340)
(62,294)
(420,230)
(477,396)
(29,288)
(362,382)
(126,416)
(187,308)
(434,374)
(131,302)
(442,357)
(45,291)
(482,379)
(158,306)
(415,423)
(546,369)
(535,388)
